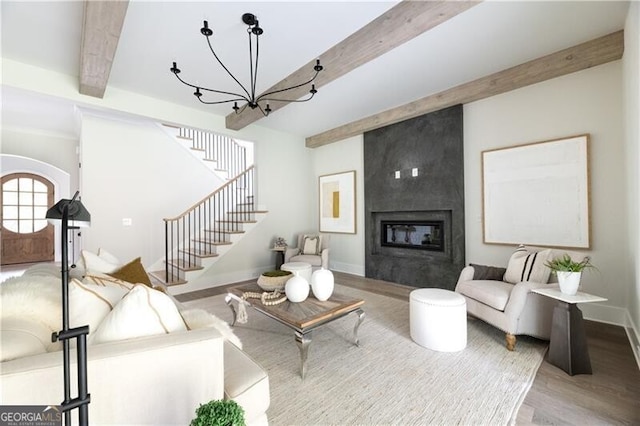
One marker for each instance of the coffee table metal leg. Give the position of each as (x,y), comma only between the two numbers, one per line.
(360,314)
(228,300)
(303,341)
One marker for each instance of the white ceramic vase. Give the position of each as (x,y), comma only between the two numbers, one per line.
(322,284)
(296,289)
(569,282)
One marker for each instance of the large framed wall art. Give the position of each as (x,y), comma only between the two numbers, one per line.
(537,194)
(338,202)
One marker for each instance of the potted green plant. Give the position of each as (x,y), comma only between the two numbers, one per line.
(219,413)
(569,272)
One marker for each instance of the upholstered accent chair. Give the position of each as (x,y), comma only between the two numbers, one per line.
(502,297)
(312,249)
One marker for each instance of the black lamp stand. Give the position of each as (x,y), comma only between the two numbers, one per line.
(66,210)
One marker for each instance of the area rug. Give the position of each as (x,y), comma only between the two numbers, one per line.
(388,379)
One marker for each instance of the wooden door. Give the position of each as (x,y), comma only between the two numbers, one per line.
(26,235)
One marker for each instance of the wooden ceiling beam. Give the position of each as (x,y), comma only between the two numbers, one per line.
(101,30)
(586,55)
(398,25)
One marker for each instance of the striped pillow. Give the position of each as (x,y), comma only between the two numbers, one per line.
(528,266)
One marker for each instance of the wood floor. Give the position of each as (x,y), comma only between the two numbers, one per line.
(610,396)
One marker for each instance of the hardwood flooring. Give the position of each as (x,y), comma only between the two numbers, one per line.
(609,396)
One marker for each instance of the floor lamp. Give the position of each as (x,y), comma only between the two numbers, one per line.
(71,211)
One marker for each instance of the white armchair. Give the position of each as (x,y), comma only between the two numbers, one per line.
(311,249)
(507,303)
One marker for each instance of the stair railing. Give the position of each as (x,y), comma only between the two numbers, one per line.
(228,154)
(196,232)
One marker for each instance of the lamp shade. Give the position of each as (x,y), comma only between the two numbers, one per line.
(77,214)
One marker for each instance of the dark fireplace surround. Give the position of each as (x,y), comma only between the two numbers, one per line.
(434,199)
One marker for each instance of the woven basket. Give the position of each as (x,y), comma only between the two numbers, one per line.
(273,283)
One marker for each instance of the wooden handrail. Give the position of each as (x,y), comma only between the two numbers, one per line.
(220,189)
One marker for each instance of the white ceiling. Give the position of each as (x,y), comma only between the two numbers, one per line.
(487,38)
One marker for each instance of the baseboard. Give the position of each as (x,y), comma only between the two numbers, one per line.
(206,281)
(616,316)
(347,268)
(634,338)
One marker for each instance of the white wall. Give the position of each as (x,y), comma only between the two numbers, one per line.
(631,79)
(346,250)
(132,169)
(589,101)
(52,149)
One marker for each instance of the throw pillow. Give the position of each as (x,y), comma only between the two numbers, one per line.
(95,263)
(142,312)
(311,244)
(528,266)
(106,280)
(132,272)
(89,303)
(482,272)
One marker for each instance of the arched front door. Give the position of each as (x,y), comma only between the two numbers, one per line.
(26,235)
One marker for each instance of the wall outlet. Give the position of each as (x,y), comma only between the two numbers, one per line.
(127,221)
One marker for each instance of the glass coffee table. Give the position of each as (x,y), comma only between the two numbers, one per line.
(302,317)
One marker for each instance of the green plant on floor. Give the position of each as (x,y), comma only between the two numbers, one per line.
(276,273)
(566,264)
(219,413)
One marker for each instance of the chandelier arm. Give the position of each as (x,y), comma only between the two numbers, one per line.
(221,102)
(289,100)
(263,111)
(225,68)
(242,97)
(262,97)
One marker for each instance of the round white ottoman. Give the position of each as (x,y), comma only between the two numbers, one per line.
(438,319)
(301,269)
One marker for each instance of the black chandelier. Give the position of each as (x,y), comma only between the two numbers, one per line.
(255,31)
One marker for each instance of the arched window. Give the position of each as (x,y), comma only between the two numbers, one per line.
(25,199)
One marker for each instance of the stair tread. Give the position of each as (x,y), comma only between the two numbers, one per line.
(213,243)
(236,221)
(224,231)
(200,253)
(161,275)
(248,212)
(182,265)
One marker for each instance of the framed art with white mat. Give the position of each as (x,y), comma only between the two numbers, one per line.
(537,193)
(338,202)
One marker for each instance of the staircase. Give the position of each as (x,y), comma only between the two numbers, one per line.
(197,238)
(221,154)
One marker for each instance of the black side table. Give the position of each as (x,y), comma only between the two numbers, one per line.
(279,256)
(568,345)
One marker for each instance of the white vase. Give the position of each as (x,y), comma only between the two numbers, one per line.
(569,282)
(296,289)
(322,284)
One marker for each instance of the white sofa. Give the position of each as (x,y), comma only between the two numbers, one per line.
(149,380)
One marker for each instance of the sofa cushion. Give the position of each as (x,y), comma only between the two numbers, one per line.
(312,260)
(525,265)
(245,382)
(142,312)
(489,292)
(22,337)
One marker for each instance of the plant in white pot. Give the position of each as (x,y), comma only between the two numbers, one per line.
(569,272)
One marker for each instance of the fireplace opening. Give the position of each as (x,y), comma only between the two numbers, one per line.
(412,234)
